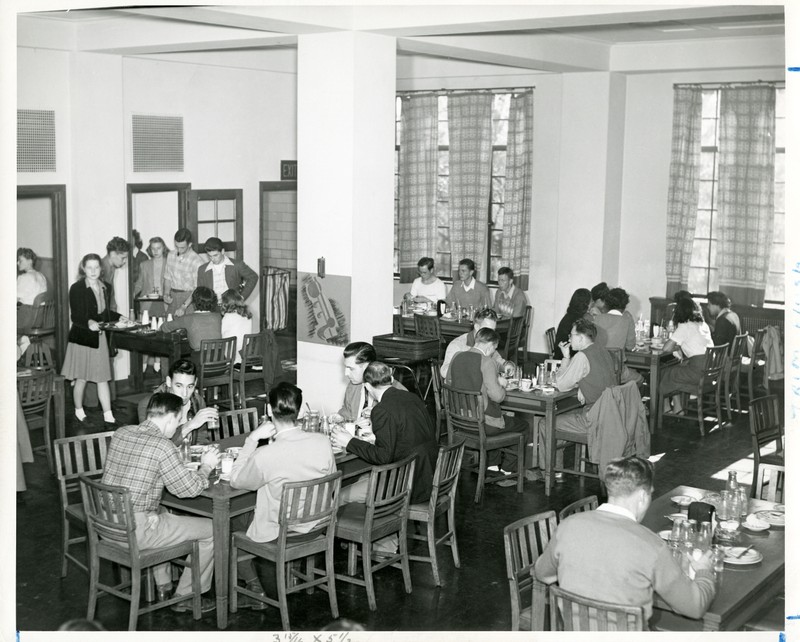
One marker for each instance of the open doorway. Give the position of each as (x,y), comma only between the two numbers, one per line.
(42,227)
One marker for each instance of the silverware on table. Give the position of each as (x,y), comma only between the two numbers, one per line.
(740,555)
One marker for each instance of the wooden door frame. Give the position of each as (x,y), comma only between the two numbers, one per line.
(141,188)
(58,203)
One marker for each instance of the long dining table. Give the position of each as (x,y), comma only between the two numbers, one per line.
(743,590)
(220,502)
(452,328)
(536,403)
(652,362)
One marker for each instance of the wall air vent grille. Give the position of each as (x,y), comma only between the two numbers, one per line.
(36,140)
(157,143)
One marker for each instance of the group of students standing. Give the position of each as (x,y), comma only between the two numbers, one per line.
(207,300)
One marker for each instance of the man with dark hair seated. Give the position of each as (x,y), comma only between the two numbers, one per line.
(402,427)
(205,322)
(143,459)
(182,381)
(727,324)
(293,456)
(606,554)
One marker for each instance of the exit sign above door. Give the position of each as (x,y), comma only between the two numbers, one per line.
(288,170)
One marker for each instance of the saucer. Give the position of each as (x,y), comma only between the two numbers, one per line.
(750,557)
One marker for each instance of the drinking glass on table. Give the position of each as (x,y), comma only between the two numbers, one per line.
(729,515)
(744,501)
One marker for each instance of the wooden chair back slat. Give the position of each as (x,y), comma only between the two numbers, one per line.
(582,505)
(35,391)
(771,478)
(389,489)
(252,350)
(550,335)
(571,612)
(766,423)
(235,422)
(109,514)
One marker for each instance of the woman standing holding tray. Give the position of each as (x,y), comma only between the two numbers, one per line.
(87,359)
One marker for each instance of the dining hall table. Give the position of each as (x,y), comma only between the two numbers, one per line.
(220,502)
(549,405)
(653,362)
(743,590)
(452,328)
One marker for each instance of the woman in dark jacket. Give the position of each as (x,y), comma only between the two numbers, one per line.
(578,308)
(87,350)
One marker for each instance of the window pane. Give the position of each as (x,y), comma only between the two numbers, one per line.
(498,190)
(780,168)
(444,133)
(494,265)
(712,259)
(396,161)
(496,248)
(699,254)
(713,280)
(776,257)
(226,209)
(706,192)
(396,214)
(697,280)
(499,163)
(442,265)
(396,186)
(497,216)
(501,105)
(396,261)
(226,232)
(779,227)
(775,288)
(398,132)
(708,133)
(444,163)
(204,230)
(780,197)
(703,227)
(205,211)
(710,103)
(780,133)
(442,188)
(442,214)
(780,103)
(441,105)
(398,108)
(500,133)
(707,165)
(443,240)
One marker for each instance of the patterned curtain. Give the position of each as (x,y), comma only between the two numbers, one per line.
(519,179)
(684,185)
(746,191)
(470,120)
(419,151)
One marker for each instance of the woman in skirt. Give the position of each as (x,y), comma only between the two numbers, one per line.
(87,350)
(692,335)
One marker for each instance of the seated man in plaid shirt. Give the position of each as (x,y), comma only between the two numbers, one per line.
(143,459)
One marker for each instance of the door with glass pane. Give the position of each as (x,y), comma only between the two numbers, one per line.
(216,212)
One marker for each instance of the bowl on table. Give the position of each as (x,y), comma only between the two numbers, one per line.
(754,523)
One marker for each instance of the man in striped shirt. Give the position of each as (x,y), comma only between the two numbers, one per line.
(144,460)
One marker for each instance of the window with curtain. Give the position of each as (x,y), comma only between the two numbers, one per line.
(704,268)
(409,174)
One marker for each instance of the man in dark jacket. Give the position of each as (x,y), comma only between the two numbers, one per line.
(402,427)
(222,273)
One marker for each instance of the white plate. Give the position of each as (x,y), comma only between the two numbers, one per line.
(683,500)
(665,535)
(772,517)
(677,516)
(755,528)
(750,557)
(779,507)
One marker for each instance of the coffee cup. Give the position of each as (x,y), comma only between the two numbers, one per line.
(526,385)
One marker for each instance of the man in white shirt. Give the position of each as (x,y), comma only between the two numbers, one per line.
(426,287)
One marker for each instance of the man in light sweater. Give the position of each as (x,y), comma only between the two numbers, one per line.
(486,318)
(607,555)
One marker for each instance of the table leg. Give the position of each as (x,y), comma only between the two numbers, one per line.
(550,448)
(61,419)
(654,368)
(136,366)
(222,541)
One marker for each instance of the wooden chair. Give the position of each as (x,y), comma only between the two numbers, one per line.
(111,531)
(429,327)
(618,357)
(76,456)
(235,422)
(397,325)
(755,362)
(582,505)
(526,328)
(38,354)
(35,394)
(251,367)
(442,501)
(400,369)
(384,513)
(525,540)
(465,418)
(733,370)
(305,505)
(513,339)
(710,385)
(571,612)
(550,336)
(766,426)
(770,482)
(438,397)
(216,366)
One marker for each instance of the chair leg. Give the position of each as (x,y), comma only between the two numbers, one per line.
(700,414)
(404,563)
(352,559)
(94,578)
(451,525)
(136,591)
(197,611)
(280,567)
(431,532)
(520,463)
(331,580)
(64,543)
(366,559)
(728,398)
(481,475)
(47,440)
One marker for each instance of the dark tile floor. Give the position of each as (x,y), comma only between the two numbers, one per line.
(474,597)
